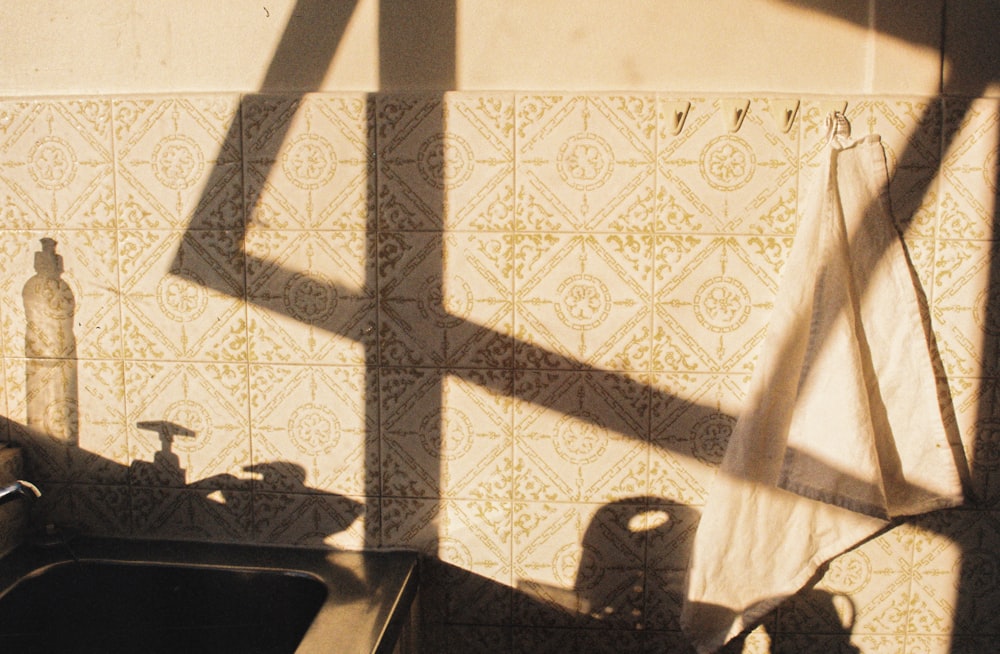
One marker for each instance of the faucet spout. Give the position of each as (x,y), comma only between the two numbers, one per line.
(18,490)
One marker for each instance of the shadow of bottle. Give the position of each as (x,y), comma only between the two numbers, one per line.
(50,350)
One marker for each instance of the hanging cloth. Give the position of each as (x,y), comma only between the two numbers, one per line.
(842,428)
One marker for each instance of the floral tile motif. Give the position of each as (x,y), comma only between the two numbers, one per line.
(178,162)
(955,585)
(188,423)
(965,292)
(311,297)
(969,171)
(56,164)
(307,161)
(873,584)
(314,429)
(446,161)
(582,436)
(470,542)
(714,296)
(585,299)
(59,291)
(578,564)
(192,514)
(692,419)
(711,180)
(585,162)
(88,509)
(182,295)
(315,520)
(70,419)
(445,301)
(446,433)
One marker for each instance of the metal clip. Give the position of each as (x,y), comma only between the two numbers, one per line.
(676,112)
(783,111)
(734,110)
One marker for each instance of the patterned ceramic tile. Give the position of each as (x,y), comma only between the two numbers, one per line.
(875,580)
(315,520)
(192,514)
(910,129)
(613,641)
(70,419)
(841,643)
(445,301)
(581,561)
(470,639)
(445,435)
(56,164)
(93,510)
(188,423)
(669,530)
(581,436)
(966,293)
(712,180)
(457,594)
(921,253)
(714,296)
(692,418)
(585,298)
(977,410)
(60,293)
(956,585)
(314,429)
(470,542)
(308,161)
(311,297)
(969,185)
(911,137)
(178,162)
(446,161)
(585,162)
(551,363)
(182,295)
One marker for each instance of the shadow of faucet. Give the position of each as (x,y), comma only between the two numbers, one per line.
(166,465)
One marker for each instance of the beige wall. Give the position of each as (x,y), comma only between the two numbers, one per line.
(816,46)
(237,267)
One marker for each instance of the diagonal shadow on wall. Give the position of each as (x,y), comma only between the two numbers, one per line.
(299,65)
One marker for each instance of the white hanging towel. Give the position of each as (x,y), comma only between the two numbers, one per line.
(842,429)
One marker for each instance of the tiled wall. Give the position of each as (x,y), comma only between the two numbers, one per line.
(512,330)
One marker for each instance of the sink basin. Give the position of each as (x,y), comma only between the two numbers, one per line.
(115,596)
(113,607)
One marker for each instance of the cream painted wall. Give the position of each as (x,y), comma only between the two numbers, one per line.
(803,46)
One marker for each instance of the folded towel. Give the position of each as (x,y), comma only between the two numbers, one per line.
(842,429)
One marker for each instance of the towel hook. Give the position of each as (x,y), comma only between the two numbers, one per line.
(676,112)
(838,128)
(734,110)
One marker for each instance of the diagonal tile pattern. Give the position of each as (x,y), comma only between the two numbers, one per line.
(512,330)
